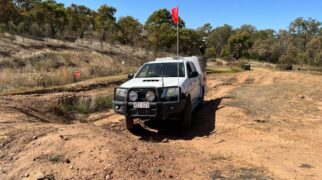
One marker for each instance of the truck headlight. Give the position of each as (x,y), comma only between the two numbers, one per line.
(170,94)
(120,94)
(133,96)
(150,96)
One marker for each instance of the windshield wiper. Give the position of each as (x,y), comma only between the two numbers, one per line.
(152,76)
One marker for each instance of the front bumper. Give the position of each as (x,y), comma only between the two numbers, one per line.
(157,109)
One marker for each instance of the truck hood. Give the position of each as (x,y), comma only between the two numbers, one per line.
(153,82)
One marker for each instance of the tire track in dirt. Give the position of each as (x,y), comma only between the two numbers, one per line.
(225,141)
(237,135)
(201,136)
(228,133)
(28,148)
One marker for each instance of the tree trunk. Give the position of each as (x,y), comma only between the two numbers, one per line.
(52,29)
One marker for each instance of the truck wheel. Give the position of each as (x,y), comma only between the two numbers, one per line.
(187,113)
(202,98)
(129,122)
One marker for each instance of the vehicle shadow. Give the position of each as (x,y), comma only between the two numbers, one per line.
(204,123)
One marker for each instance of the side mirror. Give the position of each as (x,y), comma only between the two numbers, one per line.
(130,76)
(194,74)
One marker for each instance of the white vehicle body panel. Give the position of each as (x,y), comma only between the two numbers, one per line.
(153,82)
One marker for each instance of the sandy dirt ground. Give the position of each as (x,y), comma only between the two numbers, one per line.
(259,124)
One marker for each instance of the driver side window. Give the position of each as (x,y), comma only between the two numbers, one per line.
(193,68)
(189,69)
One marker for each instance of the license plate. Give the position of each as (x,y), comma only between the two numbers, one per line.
(141,105)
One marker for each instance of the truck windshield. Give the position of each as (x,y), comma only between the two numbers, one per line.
(161,70)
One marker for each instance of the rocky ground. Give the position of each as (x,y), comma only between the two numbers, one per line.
(260,124)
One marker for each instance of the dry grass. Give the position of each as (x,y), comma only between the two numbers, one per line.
(261,64)
(296,67)
(38,64)
(280,104)
(220,156)
(270,99)
(12,79)
(243,173)
(88,104)
(79,108)
(222,69)
(75,87)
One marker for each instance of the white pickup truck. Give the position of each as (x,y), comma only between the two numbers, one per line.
(157,91)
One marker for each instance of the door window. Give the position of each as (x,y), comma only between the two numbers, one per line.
(193,68)
(189,69)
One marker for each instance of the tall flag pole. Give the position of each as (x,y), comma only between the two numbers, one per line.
(178,37)
(175,18)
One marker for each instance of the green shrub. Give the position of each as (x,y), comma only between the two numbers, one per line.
(3,28)
(210,53)
(35,30)
(240,63)
(56,158)
(103,103)
(78,108)
(225,53)
(282,66)
(87,105)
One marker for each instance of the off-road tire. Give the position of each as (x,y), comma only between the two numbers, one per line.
(202,98)
(187,114)
(129,122)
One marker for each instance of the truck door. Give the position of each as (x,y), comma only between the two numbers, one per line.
(197,85)
(192,83)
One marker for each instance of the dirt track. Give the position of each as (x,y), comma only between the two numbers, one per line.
(260,124)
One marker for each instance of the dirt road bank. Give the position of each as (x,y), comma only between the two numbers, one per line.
(260,124)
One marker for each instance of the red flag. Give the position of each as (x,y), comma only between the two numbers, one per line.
(175,15)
